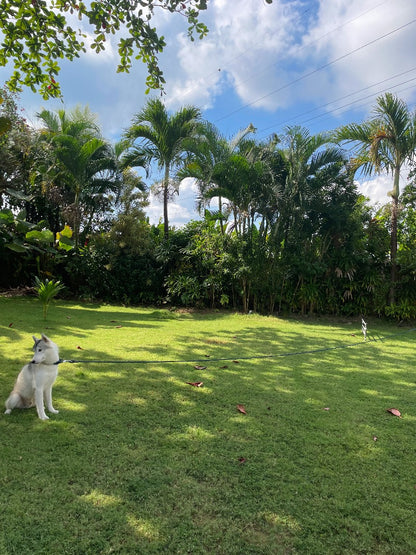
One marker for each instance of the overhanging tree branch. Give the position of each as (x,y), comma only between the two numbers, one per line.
(36,34)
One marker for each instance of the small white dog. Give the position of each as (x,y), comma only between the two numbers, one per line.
(35,380)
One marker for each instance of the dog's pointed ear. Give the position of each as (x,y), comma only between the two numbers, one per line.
(35,339)
(45,338)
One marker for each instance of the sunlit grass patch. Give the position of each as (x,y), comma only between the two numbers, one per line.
(139,460)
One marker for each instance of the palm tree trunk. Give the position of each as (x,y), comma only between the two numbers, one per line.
(165,202)
(393,235)
(220,211)
(77,218)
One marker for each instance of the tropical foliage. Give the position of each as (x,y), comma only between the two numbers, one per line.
(283,227)
(46,291)
(386,142)
(162,138)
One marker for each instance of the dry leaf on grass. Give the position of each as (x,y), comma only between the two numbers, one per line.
(196,384)
(198,367)
(242,409)
(395,412)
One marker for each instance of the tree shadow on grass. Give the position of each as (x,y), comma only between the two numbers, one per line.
(140,461)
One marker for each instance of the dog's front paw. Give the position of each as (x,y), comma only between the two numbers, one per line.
(53,411)
(44,417)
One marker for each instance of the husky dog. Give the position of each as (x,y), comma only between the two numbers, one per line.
(35,380)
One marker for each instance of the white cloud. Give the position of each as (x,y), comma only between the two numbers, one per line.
(240,51)
(343,31)
(265,53)
(378,187)
(181,209)
(262,52)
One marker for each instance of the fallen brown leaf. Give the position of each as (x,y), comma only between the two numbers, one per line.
(395,412)
(196,384)
(11,324)
(242,409)
(80,348)
(242,460)
(198,367)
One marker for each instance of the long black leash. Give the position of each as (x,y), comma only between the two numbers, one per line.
(224,359)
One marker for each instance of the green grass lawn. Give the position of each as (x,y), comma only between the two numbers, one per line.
(138,461)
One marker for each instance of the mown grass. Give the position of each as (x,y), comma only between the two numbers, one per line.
(138,461)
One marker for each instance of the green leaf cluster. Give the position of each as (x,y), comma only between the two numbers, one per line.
(46,291)
(37,34)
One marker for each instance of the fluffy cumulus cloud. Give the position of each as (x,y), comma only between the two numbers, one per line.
(367,46)
(240,52)
(268,64)
(181,209)
(281,55)
(265,57)
(377,188)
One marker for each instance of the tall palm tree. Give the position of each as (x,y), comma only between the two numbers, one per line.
(304,156)
(385,142)
(212,157)
(85,163)
(162,139)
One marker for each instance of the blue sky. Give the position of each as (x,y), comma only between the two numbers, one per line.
(316,63)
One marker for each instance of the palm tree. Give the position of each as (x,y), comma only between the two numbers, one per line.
(85,163)
(162,140)
(385,142)
(304,156)
(213,163)
(307,164)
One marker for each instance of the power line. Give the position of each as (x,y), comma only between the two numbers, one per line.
(249,48)
(309,44)
(343,98)
(361,99)
(324,66)
(297,50)
(365,98)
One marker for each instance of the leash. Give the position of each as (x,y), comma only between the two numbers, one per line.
(225,359)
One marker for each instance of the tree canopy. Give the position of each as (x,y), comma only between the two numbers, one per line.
(162,137)
(36,34)
(388,142)
(296,235)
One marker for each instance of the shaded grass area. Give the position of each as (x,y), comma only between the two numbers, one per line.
(138,461)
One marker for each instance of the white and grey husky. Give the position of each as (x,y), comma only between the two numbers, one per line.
(35,380)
